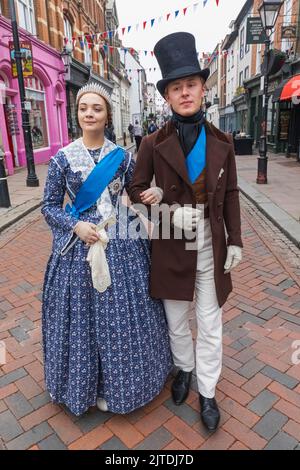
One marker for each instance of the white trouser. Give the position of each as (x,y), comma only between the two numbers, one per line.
(209,322)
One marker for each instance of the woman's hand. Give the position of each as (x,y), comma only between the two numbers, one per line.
(87,232)
(152,196)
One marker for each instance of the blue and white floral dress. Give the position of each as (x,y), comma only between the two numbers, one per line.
(112,345)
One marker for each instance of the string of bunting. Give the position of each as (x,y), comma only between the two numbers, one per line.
(144,24)
(90,41)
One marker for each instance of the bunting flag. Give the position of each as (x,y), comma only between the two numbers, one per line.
(90,40)
(152,21)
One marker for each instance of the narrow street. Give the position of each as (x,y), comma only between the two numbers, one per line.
(259,391)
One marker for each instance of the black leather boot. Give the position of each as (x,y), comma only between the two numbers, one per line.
(181,387)
(210,414)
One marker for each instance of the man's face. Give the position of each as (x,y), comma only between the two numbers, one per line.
(185,95)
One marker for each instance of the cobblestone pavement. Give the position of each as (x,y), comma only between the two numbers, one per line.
(258,393)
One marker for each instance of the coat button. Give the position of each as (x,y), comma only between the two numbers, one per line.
(220,204)
(173,188)
(219,219)
(218,187)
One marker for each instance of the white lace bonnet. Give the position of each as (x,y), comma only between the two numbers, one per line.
(94,87)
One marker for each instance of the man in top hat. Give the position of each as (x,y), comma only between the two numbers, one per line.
(194,166)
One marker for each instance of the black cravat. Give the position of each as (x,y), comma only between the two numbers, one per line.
(189,129)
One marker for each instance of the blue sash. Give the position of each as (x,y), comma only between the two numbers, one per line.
(196,159)
(96,182)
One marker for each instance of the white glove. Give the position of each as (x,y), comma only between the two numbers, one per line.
(152,195)
(234,257)
(186,218)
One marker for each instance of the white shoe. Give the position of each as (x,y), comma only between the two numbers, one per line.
(102,405)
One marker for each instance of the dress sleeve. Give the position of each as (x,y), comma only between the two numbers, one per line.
(54,193)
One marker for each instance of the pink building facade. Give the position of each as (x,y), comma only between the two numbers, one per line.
(46,93)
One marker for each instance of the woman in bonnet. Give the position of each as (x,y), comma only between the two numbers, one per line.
(105,340)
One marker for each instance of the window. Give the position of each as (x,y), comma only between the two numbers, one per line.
(87,54)
(286,44)
(232,58)
(246,75)
(242,43)
(38,114)
(241,79)
(101,65)
(26,15)
(68,33)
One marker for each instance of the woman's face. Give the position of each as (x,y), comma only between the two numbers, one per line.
(92,113)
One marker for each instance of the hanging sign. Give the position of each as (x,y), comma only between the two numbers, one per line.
(27,59)
(255,31)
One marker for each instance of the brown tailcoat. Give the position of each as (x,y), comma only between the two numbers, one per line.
(173,268)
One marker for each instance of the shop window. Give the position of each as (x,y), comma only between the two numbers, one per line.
(101,65)
(26,15)
(38,114)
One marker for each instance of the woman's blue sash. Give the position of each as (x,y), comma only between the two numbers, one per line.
(96,182)
(196,159)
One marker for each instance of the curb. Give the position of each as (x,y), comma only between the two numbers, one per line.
(281,219)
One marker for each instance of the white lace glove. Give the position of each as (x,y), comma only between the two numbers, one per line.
(234,257)
(186,218)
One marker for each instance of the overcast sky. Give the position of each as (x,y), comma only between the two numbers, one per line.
(209,24)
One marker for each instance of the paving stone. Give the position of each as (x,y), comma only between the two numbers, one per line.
(29,438)
(19,334)
(113,444)
(184,411)
(263,402)
(12,377)
(19,405)
(286,284)
(289,317)
(156,441)
(9,426)
(237,346)
(284,379)
(26,324)
(92,419)
(269,313)
(270,424)
(52,443)
(40,400)
(275,293)
(250,368)
(282,441)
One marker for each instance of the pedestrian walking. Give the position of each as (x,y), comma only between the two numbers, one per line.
(105,340)
(152,127)
(131,133)
(194,165)
(138,134)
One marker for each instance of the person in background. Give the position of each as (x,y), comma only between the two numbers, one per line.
(138,134)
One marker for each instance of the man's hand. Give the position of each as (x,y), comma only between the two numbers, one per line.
(152,196)
(186,218)
(87,232)
(234,257)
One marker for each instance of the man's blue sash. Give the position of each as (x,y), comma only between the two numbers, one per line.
(196,159)
(96,182)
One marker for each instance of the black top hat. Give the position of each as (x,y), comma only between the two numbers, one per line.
(177,58)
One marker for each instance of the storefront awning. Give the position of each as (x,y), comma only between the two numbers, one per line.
(288,89)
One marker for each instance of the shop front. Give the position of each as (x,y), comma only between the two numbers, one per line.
(46,101)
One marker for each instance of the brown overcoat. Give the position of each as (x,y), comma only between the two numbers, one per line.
(173,268)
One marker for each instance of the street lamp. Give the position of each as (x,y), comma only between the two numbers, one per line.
(269,11)
(32,179)
(66,56)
